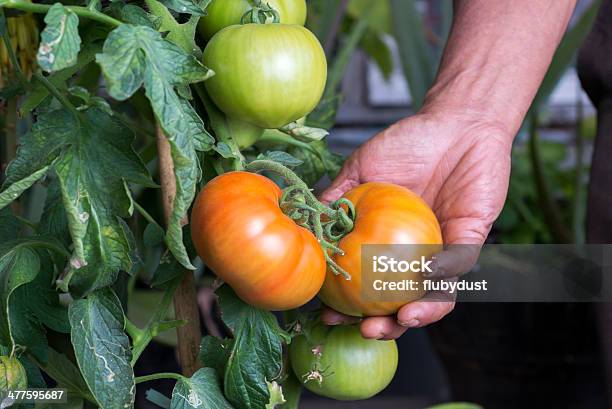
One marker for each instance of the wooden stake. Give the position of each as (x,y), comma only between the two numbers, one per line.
(185,300)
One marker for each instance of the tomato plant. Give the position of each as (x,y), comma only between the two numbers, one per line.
(223,13)
(339,363)
(385,214)
(113,121)
(268,75)
(241,233)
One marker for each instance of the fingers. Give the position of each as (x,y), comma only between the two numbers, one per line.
(453,261)
(381,328)
(330,316)
(346,180)
(426,311)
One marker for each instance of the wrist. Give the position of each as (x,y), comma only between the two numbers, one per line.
(471,100)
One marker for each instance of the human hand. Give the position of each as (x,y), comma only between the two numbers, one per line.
(461,169)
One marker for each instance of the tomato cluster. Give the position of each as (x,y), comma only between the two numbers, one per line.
(266,76)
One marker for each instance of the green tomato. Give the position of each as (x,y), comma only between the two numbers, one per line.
(223,13)
(12,374)
(339,363)
(243,133)
(266,74)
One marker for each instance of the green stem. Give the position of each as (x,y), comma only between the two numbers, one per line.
(144,213)
(219,123)
(161,375)
(58,95)
(133,331)
(43,8)
(152,328)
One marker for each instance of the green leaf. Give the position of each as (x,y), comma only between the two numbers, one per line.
(38,93)
(92,170)
(377,14)
(153,235)
(187,6)
(66,374)
(415,53)
(256,351)
(132,14)
(202,390)
(9,225)
(102,349)
(214,353)
(43,301)
(375,47)
(19,265)
(139,55)
(59,42)
(53,221)
(12,192)
(318,163)
(281,157)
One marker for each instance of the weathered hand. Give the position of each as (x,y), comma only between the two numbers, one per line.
(461,169)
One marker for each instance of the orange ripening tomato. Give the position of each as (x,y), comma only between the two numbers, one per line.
(240,232)
(385,214)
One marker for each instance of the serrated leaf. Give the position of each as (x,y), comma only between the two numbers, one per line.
(281,157)
(201,390)
(256,351)
(133,56)
(102,349)
(97,160)
(59,42)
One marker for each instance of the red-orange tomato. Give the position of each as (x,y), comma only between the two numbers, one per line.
(240,232)
(385,214)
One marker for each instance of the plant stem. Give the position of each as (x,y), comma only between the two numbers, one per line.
(133,331)
(144,213)
(185,301)
(220,126)
(161,375)
(151,329)
(43,8)
(58,95)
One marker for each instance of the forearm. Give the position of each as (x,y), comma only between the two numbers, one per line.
(496,56)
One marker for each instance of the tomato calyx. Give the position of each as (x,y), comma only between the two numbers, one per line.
(328,223)
(261,13)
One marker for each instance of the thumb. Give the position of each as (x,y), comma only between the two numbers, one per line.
(346,180)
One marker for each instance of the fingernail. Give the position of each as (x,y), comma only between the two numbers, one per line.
(411,323)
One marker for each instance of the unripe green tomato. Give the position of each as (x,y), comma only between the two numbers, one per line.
(12,374)
(223,13)
(266,74)
(244,134)
(337,362)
